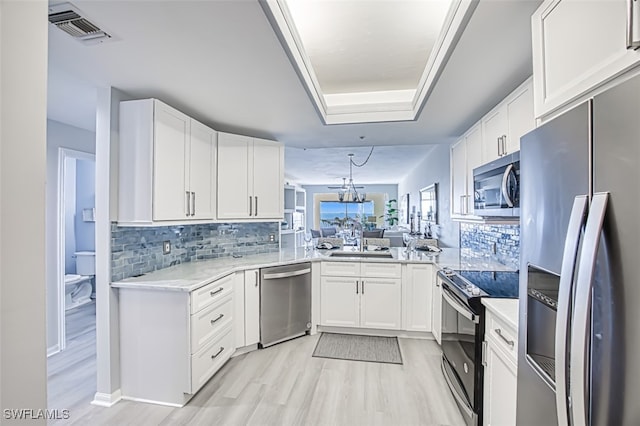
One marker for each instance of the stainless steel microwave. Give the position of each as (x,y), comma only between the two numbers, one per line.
(496,187)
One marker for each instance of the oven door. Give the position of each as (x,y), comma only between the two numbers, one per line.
(459,349)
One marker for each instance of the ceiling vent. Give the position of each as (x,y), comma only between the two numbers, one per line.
(69,19)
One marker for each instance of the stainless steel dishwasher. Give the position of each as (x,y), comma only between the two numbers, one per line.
(285,303)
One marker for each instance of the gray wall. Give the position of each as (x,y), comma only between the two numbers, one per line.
(85,199)
(391,190)
(69,215)
(58,136)
(23,134)
(435,168)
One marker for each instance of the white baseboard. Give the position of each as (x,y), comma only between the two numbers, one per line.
(53,350)
(106,400)
(244,350)
(151,401)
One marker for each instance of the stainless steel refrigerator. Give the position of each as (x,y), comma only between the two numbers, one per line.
(579,333)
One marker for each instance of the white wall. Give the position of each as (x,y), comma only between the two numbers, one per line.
(23,127)
(434,169)
(107,312)
(59,135)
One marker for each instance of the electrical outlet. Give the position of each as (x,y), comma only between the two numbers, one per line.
(272,238)
(166,247)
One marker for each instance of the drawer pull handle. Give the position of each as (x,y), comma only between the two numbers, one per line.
(213,293)
(213,321)
(217,353)
(507,341)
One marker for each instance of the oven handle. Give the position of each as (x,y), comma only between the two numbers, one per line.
(459,307)
(505,178)
(461,403)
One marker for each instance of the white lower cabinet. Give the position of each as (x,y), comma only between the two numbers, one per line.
(368,297)
(251,307)
(173,342)
(436,319)
(340,301)
(500,374)
(500,388)
(417,297)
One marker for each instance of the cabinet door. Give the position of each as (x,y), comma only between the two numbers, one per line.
(500,388)
(458,177)
(417,297)
(251,307)
(268,179)
(520,115)
(238,310)
(202,156)
(380,303)
(474,159)
(339,301)
(436,325)
(171,130)
(569,57)
(494,127)
(233,176)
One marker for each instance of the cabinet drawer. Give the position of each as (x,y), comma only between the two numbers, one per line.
(381,270)
(340,269)
(209,359)
(502,335)
(209,322)
(211,293)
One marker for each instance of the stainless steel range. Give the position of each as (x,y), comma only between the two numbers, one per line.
(463,332)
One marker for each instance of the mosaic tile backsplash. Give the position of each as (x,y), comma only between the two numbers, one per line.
(138,250)
(481,238)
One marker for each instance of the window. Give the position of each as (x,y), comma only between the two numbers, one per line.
(334,213)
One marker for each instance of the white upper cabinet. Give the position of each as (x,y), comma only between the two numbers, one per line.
(233,176)
(494,128)
(202,163)
(503,126)
(166,165)
(578,46)
(268,179)
(250,178)
(466,155)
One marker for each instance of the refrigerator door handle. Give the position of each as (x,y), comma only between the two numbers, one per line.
(569,258)
(633,36)
(582,308)
(505,179)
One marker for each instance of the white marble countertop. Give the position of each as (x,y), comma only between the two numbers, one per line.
(190,276)
(505,309)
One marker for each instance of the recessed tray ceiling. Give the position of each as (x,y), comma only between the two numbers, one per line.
(368,61)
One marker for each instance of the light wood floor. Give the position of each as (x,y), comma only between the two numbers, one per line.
(72,372)
(285,385)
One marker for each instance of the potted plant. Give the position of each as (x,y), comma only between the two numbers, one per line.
(391,215)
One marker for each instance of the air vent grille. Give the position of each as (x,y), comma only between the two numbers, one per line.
(70,20)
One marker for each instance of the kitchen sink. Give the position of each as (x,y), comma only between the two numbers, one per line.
(374,254)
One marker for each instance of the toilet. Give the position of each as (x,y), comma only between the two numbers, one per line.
(78,286)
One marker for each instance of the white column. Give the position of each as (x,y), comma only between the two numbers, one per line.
(23,123)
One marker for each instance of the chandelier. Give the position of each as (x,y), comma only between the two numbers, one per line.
(348,192)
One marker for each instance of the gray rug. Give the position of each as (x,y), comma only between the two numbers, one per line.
(358,348)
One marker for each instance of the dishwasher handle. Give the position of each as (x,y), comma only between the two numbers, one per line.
(286,274)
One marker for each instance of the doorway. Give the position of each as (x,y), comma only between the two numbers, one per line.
(76,236)
(76,309)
